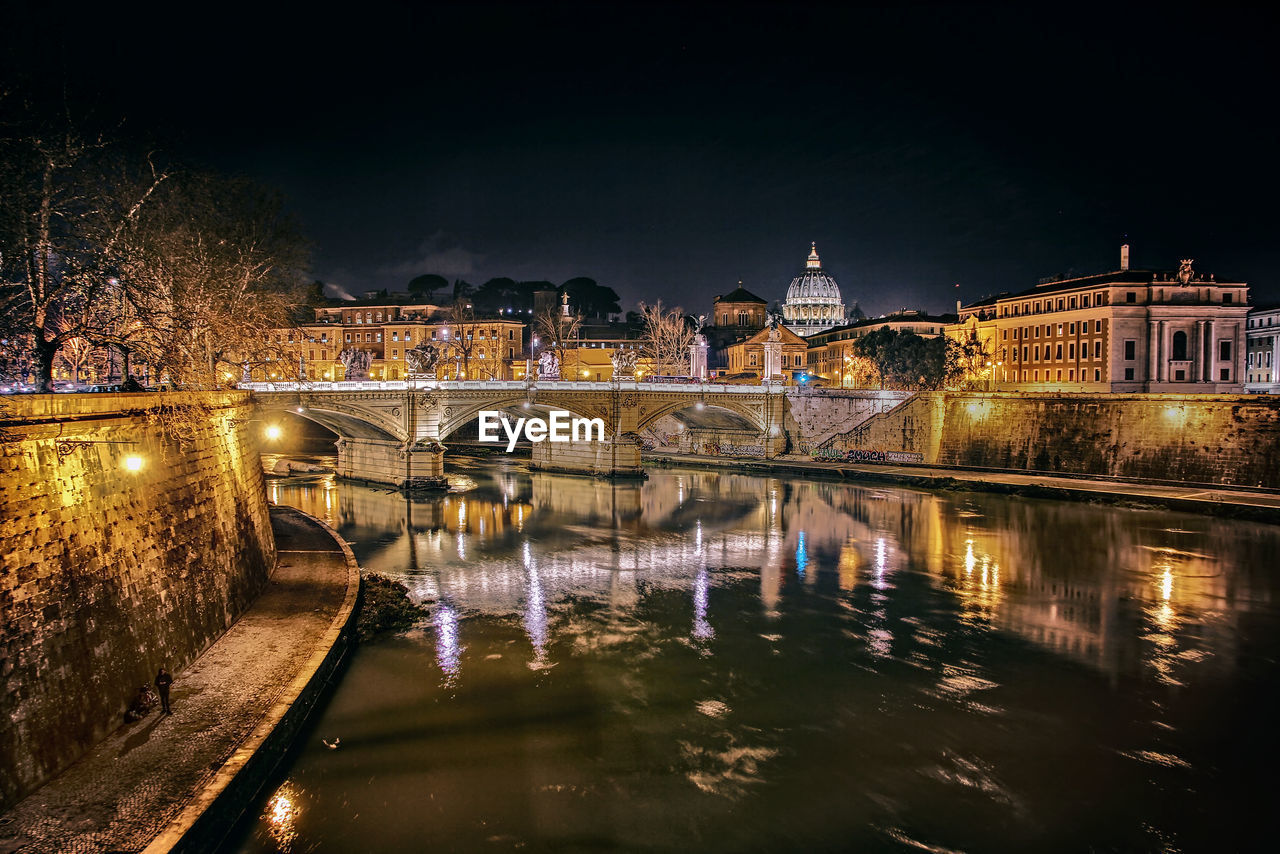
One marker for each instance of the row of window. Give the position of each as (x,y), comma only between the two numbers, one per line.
(1259,363)
(1034,331)
(1055,352)
(1066,303)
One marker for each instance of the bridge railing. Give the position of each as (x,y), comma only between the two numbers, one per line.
(512,385)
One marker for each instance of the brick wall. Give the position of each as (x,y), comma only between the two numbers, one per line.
(108,573)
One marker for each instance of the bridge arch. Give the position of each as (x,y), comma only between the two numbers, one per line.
(740,415)
(349,422)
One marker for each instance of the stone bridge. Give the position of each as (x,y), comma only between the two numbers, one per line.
(394,432)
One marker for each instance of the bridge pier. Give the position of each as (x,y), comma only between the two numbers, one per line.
(417,466)
(618,456)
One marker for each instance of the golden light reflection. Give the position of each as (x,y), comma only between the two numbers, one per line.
(281,815)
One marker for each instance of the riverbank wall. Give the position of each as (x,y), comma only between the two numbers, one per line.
(135,531)
(1211,439)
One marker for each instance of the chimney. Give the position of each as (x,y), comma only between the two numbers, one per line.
(1124,257)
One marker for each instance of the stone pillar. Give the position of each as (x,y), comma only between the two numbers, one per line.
(1275,359)
(404,466)
(1210,354)
(1153,351)
(698,358)
(1193,350)
(772,360)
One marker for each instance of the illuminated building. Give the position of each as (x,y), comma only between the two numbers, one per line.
(1124,331)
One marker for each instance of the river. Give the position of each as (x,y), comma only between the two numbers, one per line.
(729,662)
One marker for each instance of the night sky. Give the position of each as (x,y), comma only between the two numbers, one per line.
(670,150)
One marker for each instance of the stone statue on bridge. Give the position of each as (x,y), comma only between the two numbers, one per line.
(422,360)
(355,363)
(548,366)
(624,363)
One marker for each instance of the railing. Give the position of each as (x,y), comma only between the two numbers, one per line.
(692,389)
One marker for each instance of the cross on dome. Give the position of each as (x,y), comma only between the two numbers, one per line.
(813,263)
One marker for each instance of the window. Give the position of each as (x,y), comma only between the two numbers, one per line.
(1071,350)
(1180,376)
(1038,374)
(1004,334)
(379,337)
(1024,355)
(797,361)
(1036,332)
(1059,328)
(407,335)
(753,358)
(1224,351)
(1226,299)
(1128,373)
(511,352)
(348,337)
(1130,297)
(1058,356)
(1037,352)
(1130,351)
(1097,326)
(1072,329)
(1097,375)
(1179,346)
(1084,301)
(1059,309)
(1071,375)
(1225,374)
(1097,349)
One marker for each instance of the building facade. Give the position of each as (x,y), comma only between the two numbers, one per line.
(747,357)
(1262,331)
(735,317)
(469,347)
(1123,331)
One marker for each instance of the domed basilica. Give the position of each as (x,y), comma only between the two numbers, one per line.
(813,300)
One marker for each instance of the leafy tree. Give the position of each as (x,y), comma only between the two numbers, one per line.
(590,298)
(424,286)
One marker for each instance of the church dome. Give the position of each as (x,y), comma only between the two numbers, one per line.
(813,300)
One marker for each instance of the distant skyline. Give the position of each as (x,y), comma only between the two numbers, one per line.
(669,150)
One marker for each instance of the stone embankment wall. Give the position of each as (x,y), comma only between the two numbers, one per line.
(1224,439)
(815,415)
(109,573)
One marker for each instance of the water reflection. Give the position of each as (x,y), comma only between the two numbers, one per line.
(999,559)
(831,665)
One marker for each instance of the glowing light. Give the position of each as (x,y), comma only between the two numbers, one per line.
(282,817)
(133,462)
(802,556)
(448,648)
(273,432)
(701,587)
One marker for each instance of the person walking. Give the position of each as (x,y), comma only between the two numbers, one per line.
(163,681)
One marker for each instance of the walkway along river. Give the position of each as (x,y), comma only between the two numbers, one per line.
(727,662)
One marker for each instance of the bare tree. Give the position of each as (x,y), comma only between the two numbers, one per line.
(557,330)
(66,202)
(667,336)
(213,267)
